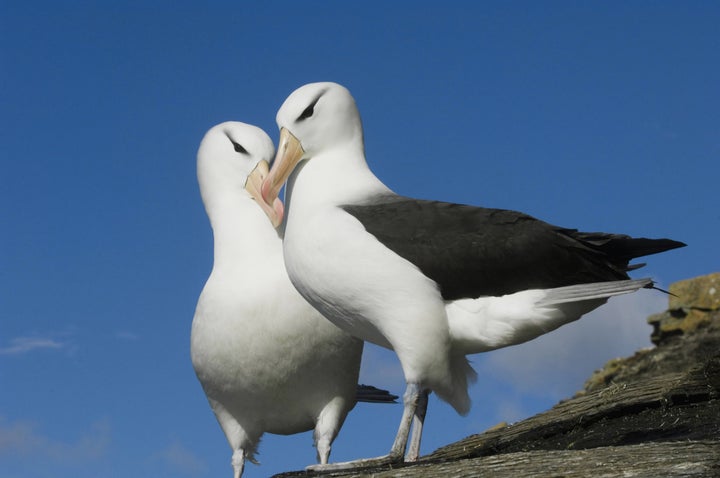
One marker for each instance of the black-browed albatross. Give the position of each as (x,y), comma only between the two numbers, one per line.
(433,281)
(267,361)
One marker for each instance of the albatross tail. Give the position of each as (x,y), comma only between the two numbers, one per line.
(488,323)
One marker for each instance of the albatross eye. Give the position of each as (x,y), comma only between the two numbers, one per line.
(239,148)
(308,112)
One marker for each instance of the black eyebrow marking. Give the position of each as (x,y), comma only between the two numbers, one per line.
(238,147)
(308,112)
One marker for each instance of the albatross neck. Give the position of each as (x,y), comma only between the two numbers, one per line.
(242,232)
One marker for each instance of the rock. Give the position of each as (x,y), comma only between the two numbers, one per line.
(699,293)
(676,353)
(692,303)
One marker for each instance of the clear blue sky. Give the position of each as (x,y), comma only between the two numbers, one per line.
(596,115)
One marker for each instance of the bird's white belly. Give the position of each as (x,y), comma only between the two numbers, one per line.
(267,369)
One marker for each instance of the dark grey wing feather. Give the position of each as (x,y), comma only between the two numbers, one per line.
(472,251)
(370,394)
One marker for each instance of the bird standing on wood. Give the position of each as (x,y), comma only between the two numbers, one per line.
(433,281)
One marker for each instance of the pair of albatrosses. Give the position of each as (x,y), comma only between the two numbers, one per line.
(266,359)
(433,281)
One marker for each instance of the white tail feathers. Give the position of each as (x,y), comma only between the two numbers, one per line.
(488,323)
(596,290)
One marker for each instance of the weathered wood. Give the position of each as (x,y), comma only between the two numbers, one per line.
(669,407)
(645,460)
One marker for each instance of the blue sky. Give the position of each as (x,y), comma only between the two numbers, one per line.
(595,115)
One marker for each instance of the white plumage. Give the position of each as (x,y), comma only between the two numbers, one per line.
(267,361)
(433,281)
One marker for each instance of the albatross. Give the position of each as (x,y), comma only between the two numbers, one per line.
(431,280)
(267,361)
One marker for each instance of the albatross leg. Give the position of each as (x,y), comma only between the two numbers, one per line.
(412,398)
(417,426)
(238,462)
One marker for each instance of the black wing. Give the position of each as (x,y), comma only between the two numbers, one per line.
(472,251)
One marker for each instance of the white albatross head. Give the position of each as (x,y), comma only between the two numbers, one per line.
(314,119)
(232,161)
